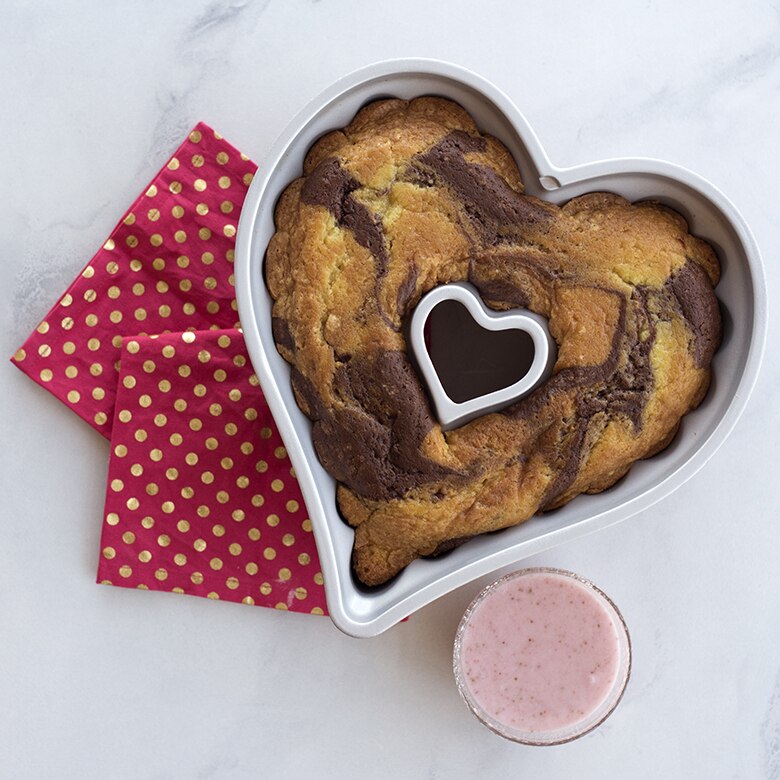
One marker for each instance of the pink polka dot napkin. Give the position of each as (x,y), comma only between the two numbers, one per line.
(201,498)
(145,345)
(167,266)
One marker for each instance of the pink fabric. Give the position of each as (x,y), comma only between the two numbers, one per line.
(201,497)
(167,266)
(145,346)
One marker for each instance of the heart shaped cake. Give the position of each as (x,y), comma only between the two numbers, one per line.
(410,196)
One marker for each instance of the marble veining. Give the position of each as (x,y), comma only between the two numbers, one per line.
(203,55)
(45,270)
(701,92)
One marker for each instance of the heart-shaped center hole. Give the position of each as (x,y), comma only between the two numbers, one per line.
(470,360)
(475,360)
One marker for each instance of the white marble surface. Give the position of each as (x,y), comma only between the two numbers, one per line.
(100,682)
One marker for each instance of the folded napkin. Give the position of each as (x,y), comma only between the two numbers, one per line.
(145,345)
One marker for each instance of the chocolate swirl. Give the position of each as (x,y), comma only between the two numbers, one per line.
(329,185)
(409,196)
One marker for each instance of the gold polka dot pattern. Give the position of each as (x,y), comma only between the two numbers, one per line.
(167,267)
(209,509)
(143,346)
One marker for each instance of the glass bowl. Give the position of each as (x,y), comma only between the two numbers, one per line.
(568,731)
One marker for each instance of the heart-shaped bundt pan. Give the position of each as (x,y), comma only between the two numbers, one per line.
(742,294)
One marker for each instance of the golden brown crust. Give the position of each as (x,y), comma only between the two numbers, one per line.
(409,196)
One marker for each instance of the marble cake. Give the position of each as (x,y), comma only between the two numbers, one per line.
(410,196)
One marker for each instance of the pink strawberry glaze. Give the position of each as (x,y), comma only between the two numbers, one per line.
(541,652)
